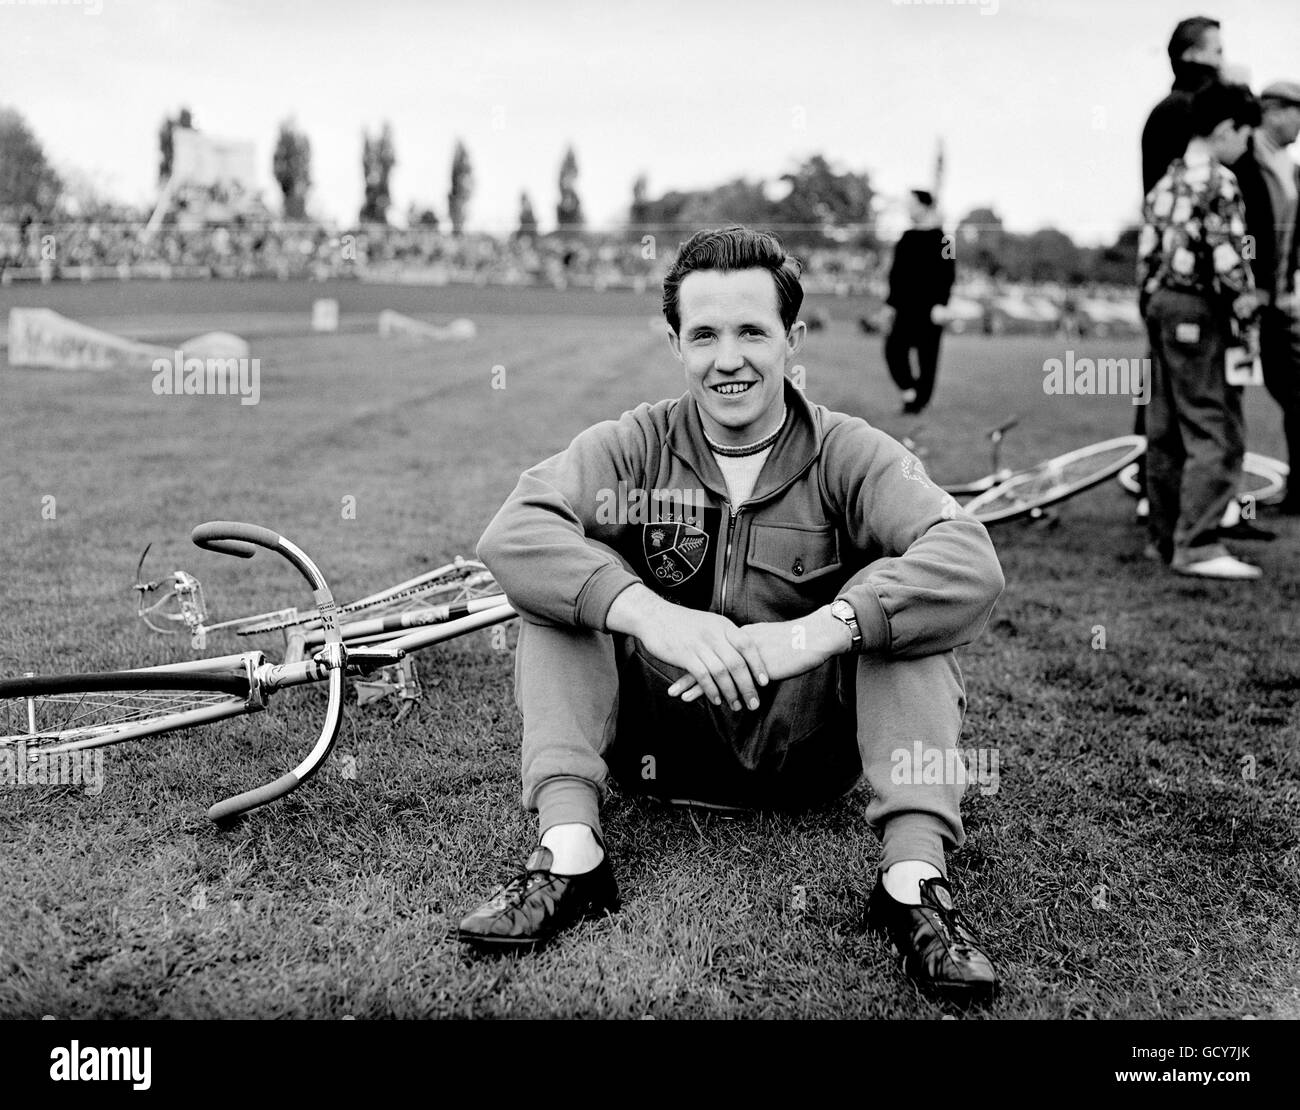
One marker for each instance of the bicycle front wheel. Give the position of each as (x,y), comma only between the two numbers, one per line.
(1055,480)
(67,712)
(1262,477)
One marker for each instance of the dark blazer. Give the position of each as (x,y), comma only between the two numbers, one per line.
(920,276)
(1261,224)
(1169,126)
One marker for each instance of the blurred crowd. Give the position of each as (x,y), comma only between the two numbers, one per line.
(114,247)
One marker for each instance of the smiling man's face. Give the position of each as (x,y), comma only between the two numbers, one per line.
(735,351)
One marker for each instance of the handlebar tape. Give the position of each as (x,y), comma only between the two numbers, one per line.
(230,537)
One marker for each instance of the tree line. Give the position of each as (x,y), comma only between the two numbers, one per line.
(813,206)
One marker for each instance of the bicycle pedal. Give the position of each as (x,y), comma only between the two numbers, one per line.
(398,680)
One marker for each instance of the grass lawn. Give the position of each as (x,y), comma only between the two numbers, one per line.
(1128,866)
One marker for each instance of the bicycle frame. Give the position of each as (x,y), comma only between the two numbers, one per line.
(997,472)
(254,677)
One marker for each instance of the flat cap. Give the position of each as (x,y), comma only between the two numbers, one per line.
(1282,90)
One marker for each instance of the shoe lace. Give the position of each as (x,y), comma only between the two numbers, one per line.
(515,890)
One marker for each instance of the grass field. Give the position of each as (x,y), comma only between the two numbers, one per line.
(1126,867)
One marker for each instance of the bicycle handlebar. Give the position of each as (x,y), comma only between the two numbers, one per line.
(228,537)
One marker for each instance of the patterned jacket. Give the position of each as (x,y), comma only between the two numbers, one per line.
(1193,235)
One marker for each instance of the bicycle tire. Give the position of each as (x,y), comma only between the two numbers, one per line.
(1262,477)
(1055,480)
(67,712)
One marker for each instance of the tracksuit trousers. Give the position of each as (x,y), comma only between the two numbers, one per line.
(590,700)
(1196,435)
(913,329)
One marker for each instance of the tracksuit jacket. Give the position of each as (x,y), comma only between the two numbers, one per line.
(839,510)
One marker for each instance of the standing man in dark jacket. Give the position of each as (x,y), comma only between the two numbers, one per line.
(1270,186)
(920,280)
(1196,53)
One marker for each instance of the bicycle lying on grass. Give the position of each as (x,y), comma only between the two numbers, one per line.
(1004,495)
(52,714)
(1262,478)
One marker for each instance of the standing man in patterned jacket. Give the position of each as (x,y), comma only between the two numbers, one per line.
(1197,295)
(741,599)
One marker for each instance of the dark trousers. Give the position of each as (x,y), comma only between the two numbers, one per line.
(912,330)
(1195,431)
(1279,342)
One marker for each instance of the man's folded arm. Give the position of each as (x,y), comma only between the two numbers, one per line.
(937,576)
(536,546)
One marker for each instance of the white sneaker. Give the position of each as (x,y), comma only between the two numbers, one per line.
(1143,509)
(1221,566)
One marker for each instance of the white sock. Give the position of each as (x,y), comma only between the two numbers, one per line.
(574,848)
(903,881)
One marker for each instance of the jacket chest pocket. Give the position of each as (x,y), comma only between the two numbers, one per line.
(797,568)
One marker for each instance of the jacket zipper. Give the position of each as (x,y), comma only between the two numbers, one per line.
(726,558)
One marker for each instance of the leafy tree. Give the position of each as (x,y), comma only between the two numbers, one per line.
(377,161)
(823,206)
(820,206)
(568,213)
(462,188)
(980,240)
(28,184)
(416,216)
(1116,264)
(291,165)
(527,220)
(166,147)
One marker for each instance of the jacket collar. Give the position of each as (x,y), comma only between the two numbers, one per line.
(796,448)
(1190,76)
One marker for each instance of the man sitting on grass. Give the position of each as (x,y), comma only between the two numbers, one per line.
(741,599)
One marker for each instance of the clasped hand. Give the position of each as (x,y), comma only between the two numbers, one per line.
(725,661)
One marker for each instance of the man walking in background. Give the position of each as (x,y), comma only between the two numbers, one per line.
(1270,186)
(920,280)
(1197,295)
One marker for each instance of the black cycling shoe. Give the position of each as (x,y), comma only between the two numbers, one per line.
(939,951)
(536,904)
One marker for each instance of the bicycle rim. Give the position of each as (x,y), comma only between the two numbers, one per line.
(68,712)
(1055,480)
(1262,477)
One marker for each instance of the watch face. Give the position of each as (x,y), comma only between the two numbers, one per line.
(843,610)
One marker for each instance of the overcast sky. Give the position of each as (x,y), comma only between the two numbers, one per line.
(1040,102)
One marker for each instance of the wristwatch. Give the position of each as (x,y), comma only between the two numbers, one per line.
(843,612)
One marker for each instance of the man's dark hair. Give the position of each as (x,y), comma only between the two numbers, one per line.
(1188,34)
(736,248)
(1216,102)
(924,197)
